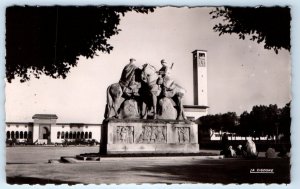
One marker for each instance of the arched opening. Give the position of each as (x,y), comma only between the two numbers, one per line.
(82,135)
(62,135)
(90,135)
(25,135)
(17,135)
(45,133)
(78,134)
(58,134)
(8,135)
(12,134)
(21,135)
(86,135)
(74,135)
(66,135)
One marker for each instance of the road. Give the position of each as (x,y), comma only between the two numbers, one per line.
(169,170)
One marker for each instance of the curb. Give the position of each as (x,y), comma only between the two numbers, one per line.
(68,159)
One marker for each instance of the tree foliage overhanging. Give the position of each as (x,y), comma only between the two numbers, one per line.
(270,25)
(49,40)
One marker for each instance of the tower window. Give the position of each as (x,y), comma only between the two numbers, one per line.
(201,55)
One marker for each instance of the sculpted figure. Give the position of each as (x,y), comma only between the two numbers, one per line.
(160,134)
(130,135)
(127,75)
(124,134)
(183,135)
(128,81)
(127,87)
(170,89)
(147,136)
(113,100)
(153,134)
(150,77)
(165,70)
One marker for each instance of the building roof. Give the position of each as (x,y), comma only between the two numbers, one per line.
(195,106)
(13,122)
(199,50)
(80,124)
(44,116)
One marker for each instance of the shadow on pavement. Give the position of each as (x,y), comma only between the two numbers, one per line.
(32,180)
(226,171)
(16,163)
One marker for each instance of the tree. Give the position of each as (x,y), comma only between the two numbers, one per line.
(229,122)
(285,121)
(213,122)
(244,128)
(270,25)
(220,122)
(49,40)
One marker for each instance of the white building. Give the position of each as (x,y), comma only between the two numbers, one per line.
(45,130)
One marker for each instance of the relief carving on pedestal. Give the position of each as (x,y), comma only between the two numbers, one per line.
(153,134)
(125,134)
(183,134)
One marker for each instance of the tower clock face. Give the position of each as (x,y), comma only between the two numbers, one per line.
(202,62)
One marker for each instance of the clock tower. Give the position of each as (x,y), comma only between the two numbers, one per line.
(200,77)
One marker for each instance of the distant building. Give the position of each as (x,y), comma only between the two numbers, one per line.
(45,130)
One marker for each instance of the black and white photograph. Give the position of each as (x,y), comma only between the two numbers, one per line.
(106,94)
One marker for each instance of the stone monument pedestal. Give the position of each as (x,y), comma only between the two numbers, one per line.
(134,136)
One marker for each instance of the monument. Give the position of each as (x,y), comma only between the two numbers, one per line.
(144,114)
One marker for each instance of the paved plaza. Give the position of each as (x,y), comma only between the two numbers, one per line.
(30,165)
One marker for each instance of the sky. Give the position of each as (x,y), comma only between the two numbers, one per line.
(241,73)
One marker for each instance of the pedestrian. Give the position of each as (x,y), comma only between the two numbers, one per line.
(239,150)
(251,149)
(231,152)
(270,153)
